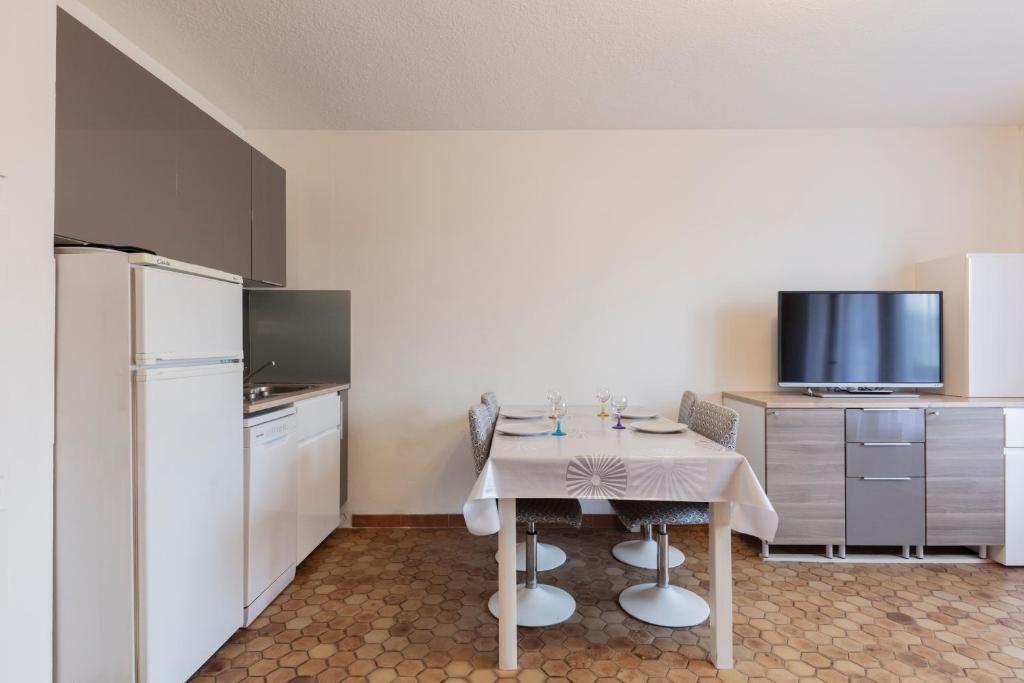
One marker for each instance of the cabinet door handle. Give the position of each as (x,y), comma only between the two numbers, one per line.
(933,412)
(271,282)
(886,443)
(886,478)
(773,412)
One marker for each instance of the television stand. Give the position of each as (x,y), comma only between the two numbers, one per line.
(860,392)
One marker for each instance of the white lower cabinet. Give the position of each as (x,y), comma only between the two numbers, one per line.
(319,464)
(1012,553)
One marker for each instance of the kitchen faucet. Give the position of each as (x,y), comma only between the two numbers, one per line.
(268,364)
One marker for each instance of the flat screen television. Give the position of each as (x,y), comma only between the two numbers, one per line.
(860,340)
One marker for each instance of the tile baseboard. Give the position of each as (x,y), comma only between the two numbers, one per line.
(454,521)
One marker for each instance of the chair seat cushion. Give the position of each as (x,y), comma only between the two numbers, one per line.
(635,512)
(549,511)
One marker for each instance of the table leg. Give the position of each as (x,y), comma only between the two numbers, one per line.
(720,555)
(508,645)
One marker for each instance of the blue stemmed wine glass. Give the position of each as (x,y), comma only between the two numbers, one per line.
(554,396)
(560,410)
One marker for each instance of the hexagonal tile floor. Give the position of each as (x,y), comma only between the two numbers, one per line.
(410,605)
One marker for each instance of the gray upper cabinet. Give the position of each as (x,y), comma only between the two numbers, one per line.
(268,221)
(213,191)
(115,145)
(139,165)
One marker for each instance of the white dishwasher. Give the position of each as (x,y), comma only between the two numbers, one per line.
(271,507)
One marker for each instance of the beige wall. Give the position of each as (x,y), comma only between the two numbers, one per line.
(647,261)
(27,74)
(27,69)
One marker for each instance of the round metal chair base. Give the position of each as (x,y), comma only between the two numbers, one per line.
(644,554)
(672,606)
(548,557)
(540,606)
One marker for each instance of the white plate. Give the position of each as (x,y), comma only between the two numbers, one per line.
(659,427)
(530,428)
(523,413)
(638,413)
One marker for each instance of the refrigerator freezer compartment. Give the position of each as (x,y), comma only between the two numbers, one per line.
(183,317)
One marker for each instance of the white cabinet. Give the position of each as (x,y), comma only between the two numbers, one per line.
(983,333)
(319,460)
(1012,554)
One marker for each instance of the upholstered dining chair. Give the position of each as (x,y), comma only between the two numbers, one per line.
(548,556)
(686,405)
(537,604)
(643,552)
(490,400)
(662,603)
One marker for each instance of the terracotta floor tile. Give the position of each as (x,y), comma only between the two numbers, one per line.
(403,605)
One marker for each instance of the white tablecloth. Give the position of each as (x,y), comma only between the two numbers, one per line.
(595,461)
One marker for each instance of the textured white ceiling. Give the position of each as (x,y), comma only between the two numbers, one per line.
(534,64)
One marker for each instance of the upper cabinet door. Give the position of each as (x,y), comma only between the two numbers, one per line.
(214,187)
(268,221)
(115,145)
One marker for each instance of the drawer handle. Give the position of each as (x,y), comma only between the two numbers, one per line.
(886,478)
(882,410)
(886,443)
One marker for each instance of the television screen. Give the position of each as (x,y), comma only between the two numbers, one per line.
(860,339)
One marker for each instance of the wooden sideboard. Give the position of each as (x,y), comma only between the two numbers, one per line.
(905,472)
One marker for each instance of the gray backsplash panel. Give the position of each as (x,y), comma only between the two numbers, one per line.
(306,332)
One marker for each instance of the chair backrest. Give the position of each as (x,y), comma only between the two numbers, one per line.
(686,406)
(718,423)
(481,431)
(491,401)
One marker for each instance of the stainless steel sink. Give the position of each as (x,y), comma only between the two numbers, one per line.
(258,391)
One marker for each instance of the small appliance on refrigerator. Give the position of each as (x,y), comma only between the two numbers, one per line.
(149,550)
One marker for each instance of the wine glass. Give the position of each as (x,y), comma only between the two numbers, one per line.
(560,409)
(619,404)
(603,394)
(554,396)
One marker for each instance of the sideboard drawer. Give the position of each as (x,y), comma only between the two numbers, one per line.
(884,425)
(885,512)
(885,460)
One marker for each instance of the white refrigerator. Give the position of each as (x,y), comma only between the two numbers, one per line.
(149,548)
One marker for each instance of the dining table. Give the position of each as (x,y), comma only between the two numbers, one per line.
(595,461)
